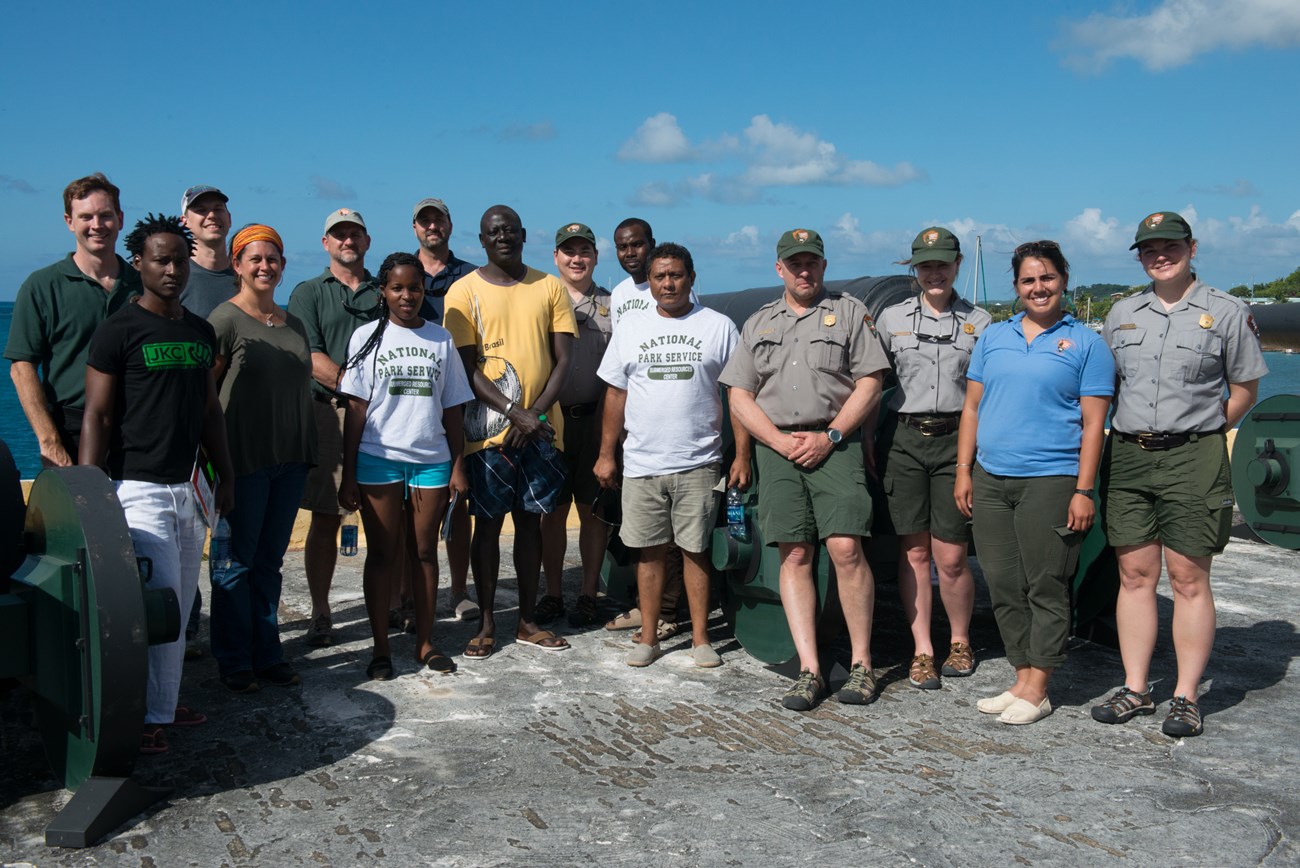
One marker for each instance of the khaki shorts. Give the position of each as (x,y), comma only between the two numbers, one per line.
(680,508)
(323,480)
(799,505)
(918,474)
(1181,496)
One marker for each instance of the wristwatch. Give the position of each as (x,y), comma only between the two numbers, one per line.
(1086,492)
(834,436)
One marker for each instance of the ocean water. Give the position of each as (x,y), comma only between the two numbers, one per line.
(1283,379)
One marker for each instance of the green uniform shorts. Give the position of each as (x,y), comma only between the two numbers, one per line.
(917,474)
(800,505)
(581,449)
(1181,496)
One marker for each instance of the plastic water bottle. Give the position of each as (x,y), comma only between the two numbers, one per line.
(219,549)
(737,526)
(348,538)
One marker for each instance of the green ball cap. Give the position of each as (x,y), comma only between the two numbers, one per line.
(935,244)
(574,230)
(1162,224)
(799,241)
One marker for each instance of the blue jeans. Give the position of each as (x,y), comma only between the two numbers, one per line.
(245,602)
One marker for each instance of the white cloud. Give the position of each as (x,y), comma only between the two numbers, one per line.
(770,154)
(1177,31)
(784,156)
(658,140)
(656,193)
(848,239)
(745,238)
(1094,233)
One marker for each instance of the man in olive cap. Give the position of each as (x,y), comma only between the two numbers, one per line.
(806,374)
(331,306)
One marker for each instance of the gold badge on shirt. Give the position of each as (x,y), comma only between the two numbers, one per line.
(602,310)
(829,320)
(968,328)
(1206,320)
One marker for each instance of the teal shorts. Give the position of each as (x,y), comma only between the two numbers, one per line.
(373,470)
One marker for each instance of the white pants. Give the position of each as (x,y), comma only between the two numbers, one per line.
(166,528)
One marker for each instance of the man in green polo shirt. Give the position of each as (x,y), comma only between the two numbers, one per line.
(331,306)
(57,310)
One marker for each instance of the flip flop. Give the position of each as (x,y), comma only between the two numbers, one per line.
(380,669)
(629,620)
(188,717)
(152,740)
(536,640)
(667,630)
(479,648)
(436,661)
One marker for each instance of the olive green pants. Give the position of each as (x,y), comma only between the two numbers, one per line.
(1028,557)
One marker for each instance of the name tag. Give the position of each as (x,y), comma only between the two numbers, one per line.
(1126,325)
(899,334)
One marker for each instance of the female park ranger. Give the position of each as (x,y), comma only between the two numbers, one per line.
(1166,490)
(929,339)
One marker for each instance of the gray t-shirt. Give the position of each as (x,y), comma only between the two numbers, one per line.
(206,289)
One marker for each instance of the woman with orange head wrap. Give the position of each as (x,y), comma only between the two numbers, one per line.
(264,369)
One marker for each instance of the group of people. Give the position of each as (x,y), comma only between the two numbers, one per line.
(439,390)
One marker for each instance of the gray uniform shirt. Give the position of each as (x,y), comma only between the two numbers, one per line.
(802,369)
(581,385)
(931,353)
(1174,365)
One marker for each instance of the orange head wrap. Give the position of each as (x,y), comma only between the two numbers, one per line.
(254,232)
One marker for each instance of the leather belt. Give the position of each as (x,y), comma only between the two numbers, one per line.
(817,426)
(326,398)
(579,411)
(931,425)
(1156,442)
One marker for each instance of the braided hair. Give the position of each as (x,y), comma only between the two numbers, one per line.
(155,225)
(392,261)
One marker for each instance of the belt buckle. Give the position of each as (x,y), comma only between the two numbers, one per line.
(1150,442)
(931,427)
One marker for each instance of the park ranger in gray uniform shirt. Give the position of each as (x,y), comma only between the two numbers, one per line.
(929,338)
(807,372)
(1166,485)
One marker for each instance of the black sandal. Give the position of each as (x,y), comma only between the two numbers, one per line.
(436,661)
(380,669)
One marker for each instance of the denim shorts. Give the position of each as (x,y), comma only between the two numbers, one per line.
(373,470)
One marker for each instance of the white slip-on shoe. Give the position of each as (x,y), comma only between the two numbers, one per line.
(1021,712)
(996,704)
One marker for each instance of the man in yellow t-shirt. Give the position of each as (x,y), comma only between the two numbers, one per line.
(514,327)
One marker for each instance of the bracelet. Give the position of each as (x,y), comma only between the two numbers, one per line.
(963,465)
(510,405)
(541,417)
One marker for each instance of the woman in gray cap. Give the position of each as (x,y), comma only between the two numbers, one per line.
(929,339)
(1166,489)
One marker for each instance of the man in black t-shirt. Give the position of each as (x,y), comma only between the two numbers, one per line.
(151,398)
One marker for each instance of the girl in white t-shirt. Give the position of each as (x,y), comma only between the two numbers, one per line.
(402,444)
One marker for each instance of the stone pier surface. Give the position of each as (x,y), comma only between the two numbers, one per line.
(543,758)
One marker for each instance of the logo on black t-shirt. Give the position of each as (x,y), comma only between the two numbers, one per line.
(177,354)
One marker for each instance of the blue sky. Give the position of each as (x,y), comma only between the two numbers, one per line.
(723,124)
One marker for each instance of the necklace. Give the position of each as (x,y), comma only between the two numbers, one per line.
(270,319)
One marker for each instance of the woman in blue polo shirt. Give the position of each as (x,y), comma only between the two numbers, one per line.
(1038,391)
